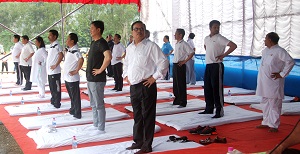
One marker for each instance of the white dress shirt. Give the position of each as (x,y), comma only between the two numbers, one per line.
(71,64)
(143,61)
(182,51)
(26,51)
(118,51)
(16,51)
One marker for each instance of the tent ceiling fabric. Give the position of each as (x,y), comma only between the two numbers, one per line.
(82,1)
(245,22)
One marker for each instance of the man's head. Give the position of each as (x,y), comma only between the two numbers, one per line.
(214,27)
(147,34)
(25,39)
(72,39)
(53,35)
(179,34)
(16,38)
(166,38)
(138,31)
(117,38)
(271,39)
(97,28)
(192,36)
(130,38)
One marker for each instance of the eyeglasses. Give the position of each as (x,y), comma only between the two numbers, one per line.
(137,29)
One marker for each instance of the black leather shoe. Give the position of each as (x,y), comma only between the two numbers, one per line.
(114,89)
(24,89)
(205,112)
(216,116)
(134,146)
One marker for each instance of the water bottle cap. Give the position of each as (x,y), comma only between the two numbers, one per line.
(230,149)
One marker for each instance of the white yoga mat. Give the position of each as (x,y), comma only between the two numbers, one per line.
(15,110)
(233,90)
(164,81)
(28,98)
(189,120)
(287,108)
(65,119)
(159,144)
(16,91)
(168,85)
(7,85)
(248,99)
(168,108)
(84,134)
(126,99)
(110,92)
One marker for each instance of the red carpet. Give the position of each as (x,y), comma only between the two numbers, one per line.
(242,136)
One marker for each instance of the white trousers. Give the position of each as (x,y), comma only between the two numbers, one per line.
(41,88)
(271,111)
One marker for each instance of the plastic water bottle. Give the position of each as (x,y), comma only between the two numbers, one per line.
(38,111)
(170,96)
(74,143)
(229,93)
(54,125)
(230,150)
(10,93)
(22,101)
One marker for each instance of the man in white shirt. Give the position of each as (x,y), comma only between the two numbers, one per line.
(54,58)
(144,63)
(215,45)
(26,61)
(116,62)
(16,52)
(182,54)
(72,65)
(190,70)
(275,65)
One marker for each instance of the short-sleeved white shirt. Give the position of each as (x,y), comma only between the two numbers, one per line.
(215,46)
(26,51)
(182,51)
(52,58)
(192,45)
(16,51)
(71,63)
(118,51)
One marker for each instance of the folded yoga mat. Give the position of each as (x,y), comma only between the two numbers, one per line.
(84,134)
(126,99)
(28,98)
(233,90)
(159,144)
(168,108)
(65,119)
(248,99)
(15,110)
(190,120)
(287,108)
(19,90)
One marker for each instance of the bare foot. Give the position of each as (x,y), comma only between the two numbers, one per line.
(273,130)
(262,126)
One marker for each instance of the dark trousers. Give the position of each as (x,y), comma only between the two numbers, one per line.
(179,84)
(143,101)
(118,71)
(167,77)
(26,70)
(55,88)
(213,88)
(4,65)
(110,70)
(19,73)
(74,93)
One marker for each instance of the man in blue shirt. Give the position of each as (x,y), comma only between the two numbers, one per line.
(167,50)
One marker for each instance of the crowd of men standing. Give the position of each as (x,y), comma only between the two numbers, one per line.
(141,64)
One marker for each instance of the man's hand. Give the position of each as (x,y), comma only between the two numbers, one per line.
(53,67)
(149,81)
(96,72)
(73,73)
(180,63)
(126,80)
(276,76)
(220,58)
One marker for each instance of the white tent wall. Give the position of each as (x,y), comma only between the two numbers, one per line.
(245,22)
